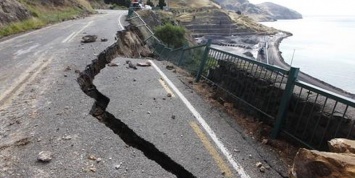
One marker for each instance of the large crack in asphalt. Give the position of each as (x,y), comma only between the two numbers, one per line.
(98,110)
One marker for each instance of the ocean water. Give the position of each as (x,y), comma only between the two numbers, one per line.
(324,47)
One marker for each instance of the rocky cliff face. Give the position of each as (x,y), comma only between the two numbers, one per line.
(340,163)
(260,12)
(279,12)
(11,11)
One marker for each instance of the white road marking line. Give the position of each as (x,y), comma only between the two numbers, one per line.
(71,37)
(204,124)
(66,39)
(119,22)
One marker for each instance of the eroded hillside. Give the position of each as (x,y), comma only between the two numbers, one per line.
(217,21)
(206,17)
(12,11)
(22,15)
(260,12)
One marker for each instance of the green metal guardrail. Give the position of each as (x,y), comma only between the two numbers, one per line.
(301,111)
(318,115)
(237,80)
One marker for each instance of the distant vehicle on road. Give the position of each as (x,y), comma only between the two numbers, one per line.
(136,4)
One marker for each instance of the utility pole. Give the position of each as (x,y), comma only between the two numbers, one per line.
(230,29)
(293,56)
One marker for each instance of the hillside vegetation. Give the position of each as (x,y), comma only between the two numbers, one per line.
(279,12)
(205,17)
(200,17)
(23,15)
(260,12)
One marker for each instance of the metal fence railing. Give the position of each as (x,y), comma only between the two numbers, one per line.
(252,83)
(307,114)
(317,115)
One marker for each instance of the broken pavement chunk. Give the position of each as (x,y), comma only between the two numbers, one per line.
(262,169)
(111,64)
(44,156)
(131,65)
(144,64)
(89,38)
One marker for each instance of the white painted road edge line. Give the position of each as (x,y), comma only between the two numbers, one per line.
(204,124)
(119,22)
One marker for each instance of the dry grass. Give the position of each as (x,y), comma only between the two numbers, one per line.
(248,22)
(189,12)
(45,14)
(187,17)
(85,4)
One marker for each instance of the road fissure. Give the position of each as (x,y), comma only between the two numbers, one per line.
(98,110)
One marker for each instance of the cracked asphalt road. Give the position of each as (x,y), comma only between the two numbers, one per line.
(43,109)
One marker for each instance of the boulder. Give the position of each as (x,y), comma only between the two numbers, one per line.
(316,164)
(341,145)
(89,38)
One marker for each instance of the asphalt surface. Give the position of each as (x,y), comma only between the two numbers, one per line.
(43,109)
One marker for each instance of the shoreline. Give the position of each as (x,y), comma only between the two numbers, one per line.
(241,44)
(337,90)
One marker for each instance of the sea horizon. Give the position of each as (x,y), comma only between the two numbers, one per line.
(322,47)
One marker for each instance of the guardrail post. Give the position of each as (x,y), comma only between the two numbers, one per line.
(285,100)
(161,52)
(182,55)
(204,59)
(130,12)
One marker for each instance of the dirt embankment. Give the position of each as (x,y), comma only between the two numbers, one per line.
(12,11)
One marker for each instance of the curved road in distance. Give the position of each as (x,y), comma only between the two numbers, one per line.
(275,58)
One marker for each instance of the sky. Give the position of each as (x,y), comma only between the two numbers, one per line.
(316,7)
